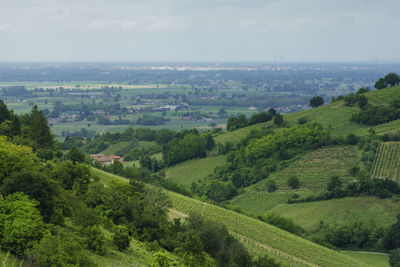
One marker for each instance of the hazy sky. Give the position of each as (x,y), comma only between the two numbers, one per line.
(199,30)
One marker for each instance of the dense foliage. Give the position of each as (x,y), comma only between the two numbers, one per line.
(390,79)
(257,157)
(316,101)
(52,212)
(240,121)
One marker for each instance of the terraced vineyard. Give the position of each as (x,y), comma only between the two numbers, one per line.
(387,161)
(256,235)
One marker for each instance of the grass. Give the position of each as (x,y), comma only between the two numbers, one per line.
(235,136)
(340,211)
(290,249)
(334,117)
(387,161)
(313,170)
(384,96)
(8,260)
(370,258)
(193,170)
(114,148)
(136,255)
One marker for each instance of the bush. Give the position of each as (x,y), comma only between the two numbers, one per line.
(271,186)
(302,120)
(293,182)
(351,139)
(59,250)
(21,224)
(121,238)
(278,119)
(316,101)
(95,240)
(394,257)
(283,223)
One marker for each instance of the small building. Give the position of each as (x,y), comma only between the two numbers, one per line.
(107,160)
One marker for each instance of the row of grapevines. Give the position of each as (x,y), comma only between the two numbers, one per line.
(263,233)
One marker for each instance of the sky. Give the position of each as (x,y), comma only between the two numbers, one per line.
(199,30)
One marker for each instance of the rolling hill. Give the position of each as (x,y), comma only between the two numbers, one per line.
(257,236)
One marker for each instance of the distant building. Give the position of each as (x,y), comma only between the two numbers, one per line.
(107,160)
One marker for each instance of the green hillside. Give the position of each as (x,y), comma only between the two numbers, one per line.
(291,249)
(313,170)
(191,171)
(384,96)
(373,259)
(340,211)
(335,117)
(114,148)
(387,161)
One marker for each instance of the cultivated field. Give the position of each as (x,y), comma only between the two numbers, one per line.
(191,171)
(313,170)
(387,162)
(291,249)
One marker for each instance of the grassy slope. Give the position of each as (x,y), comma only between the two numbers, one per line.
(114,148)
(387,161)
(135,255)
(193,170)
(373,259)
(341,211)
(256,235)
(314,171)
(334,117)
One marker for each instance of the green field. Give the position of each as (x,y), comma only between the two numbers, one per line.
(341,211)
(370,258)
(191,171)
(260,237)
(387,162)
(114,148)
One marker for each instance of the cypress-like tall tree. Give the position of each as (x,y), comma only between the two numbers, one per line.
(41,133)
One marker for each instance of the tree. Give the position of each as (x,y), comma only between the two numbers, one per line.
(316,101)
(362,101)
(278,119)
(394,257)
(95,240)
(392,79)
(302,121)
(351,139)
(34,184)
(271,186)
(61,249)
(265,261)
(40,130)
(380,84)
(293,182)
(4,112)
(21,224)
(75,155)
(334,183)
(73,176)
(392,238)
(14,158)
(121,237)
